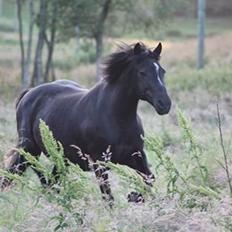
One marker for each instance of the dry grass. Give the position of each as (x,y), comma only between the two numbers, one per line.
(176,55)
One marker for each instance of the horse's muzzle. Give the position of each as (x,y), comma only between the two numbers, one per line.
(163,106)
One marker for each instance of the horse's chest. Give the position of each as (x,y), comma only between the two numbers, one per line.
(121,139)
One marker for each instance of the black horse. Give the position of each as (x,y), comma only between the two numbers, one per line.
(96,118)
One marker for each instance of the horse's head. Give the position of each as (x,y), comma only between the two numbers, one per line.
(150,78)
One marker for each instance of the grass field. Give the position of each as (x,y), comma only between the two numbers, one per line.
(191,190)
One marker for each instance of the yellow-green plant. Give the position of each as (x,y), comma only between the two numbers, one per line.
(193,148)
(55,151)
(73,182)
(130,178)
(177,180)
(154,144)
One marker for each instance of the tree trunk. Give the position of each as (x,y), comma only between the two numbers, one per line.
(53,72)
(20,23)
(99,35)
(29,45)
(77,33)
(15,21)
(201,34)
(38,66)
(0,8)
(51,44)
(99,48)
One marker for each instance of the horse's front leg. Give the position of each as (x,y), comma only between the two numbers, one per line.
(102,176)
(140,164)
(147,178)
(138,161)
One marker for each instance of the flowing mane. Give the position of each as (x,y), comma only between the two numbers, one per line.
(118,61)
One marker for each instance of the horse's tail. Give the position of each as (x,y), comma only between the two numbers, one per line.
(10,158)
(11,164)
(20,97)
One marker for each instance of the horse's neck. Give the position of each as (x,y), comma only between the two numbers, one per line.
(122,102)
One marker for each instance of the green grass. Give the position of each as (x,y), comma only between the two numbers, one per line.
(9,42)
(216,80)
(184,28)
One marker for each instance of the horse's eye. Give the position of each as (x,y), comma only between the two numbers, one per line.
(142,73)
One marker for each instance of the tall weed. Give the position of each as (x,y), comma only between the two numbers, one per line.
(181,180)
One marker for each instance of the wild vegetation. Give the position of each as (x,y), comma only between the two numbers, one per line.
(189,150)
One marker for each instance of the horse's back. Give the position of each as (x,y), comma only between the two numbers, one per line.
(56,89)
(69,83)
(61,87)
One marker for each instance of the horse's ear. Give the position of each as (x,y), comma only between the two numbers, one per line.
(156,52)
(137,48)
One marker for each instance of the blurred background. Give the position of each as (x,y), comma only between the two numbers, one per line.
(44,40)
